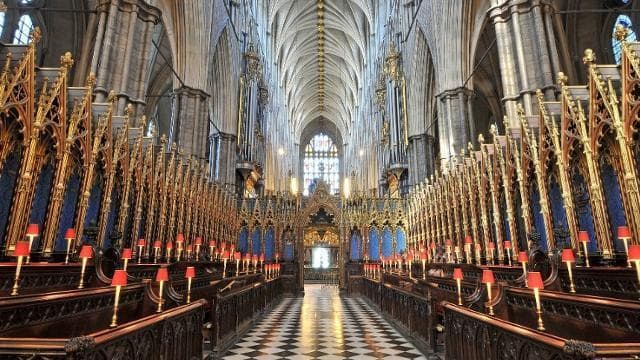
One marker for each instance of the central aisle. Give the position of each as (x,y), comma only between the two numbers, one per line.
(321,325)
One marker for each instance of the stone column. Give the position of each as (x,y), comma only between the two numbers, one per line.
(455,122)
(421,158)
(227,160)
(120,54)
(190,120)
(527,50)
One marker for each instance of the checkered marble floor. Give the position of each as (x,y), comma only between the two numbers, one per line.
(322,325)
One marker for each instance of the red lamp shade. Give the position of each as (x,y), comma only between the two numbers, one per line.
(157,244)
(212,243)
(261,257)
(478,247)
(583,236)
(70,233)
(447,242)
(457,274)
(432,245)
(22,249)
(119,278)
(162,274)
(198,241)
(468,239)
(223,245)
(623,232)
(567,255)
(86,252)
(254,258)
(126,253)
(634,252)
(423,255)
(169,245)
(190,273)
(487,277)
(180,238)
(238,255)
(523,257)
(534,280)
(33,230)
(189,248)
(492,245)
(225,254)
(141,242)
(247,257)
(507,244)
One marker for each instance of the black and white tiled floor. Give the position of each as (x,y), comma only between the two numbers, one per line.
(322,325)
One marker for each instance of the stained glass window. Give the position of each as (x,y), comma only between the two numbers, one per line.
(625,21)
(25,26)
(321,162)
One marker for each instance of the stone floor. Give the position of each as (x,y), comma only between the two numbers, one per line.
(322,325)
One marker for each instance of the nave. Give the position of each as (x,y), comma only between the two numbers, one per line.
(324,325)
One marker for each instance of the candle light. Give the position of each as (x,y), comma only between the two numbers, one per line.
(198,244)
(86,253)
(69,235)
(625,235)
(254,259)
(634,256)
(535,283)
(410,262)
(457,276)
(567,257)
(523,258)
(238,256)
(490,250)
(423,258)
(212,246)
(225,258)
(261,262)
(119,280)
(583,237)
(179,244)
(156,250)
(141,244)
(507,246)
(162,275)
(33,231)
(189,252)
(169,248)
(433,248)
(189,274)
(126,256)
(487,278)
(467,248)
(478,249)
(447,244)
(21,250)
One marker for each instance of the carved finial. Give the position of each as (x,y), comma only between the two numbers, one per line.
(621,33)
(163,140)
(505,121)
(36,35)
(480,139)
(562,79)
(129,110)
(66,60)
(470,147)
(112,97)
(520,110)
(493,129)
(143,121)
(589,57)
(91,80)
(174,147)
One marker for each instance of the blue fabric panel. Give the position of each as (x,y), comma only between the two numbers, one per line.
(8,178)
(355,246)
(256,238)
(113,215)
(387,242)
(538,220)
(401,241)
(270,244)
(522,240)
(583,209)
(557,206)
(68,210)
(243,240)
(41,200)
(93,211)
(613,198)
(505,219)
(374,244)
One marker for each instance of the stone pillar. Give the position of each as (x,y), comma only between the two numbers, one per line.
(455,122)
(227,158)
(527,50)
(120,55)
(190,120)
(421,158)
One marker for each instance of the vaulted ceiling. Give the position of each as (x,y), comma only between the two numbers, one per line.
(321,49)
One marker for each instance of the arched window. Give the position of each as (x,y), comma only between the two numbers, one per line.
(321,162)
(625,21)
(25,26)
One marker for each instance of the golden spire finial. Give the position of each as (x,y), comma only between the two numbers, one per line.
(505,121)
(91,80)
(470,147)
(143,121)
(129,110)
(493,129)
(621,33)
(589,57)
(36,35)
(112,97)
(481,139)
(562,79)
(66,60)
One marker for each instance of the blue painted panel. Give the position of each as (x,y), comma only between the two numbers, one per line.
(401,241)
(557,206)
(243,240)
(522,240)
(613,197)
(583,209)
(113,215)
(538,220)
(8,178)
(374,244)
(505,219)
(68,210)
(93,211)
(355,246)
(41,200)
(269,244)
(256,239)
(387,242)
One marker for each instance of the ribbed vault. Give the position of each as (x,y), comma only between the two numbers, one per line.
(314,90)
